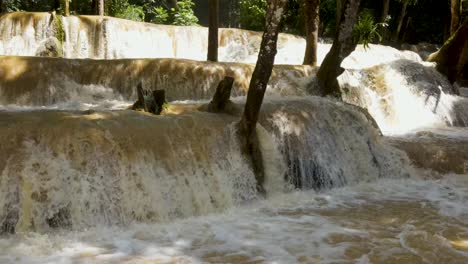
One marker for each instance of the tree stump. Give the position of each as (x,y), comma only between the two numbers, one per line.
(157,101)
(151,102)
(221,98)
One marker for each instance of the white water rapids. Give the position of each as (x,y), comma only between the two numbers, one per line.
(82,180)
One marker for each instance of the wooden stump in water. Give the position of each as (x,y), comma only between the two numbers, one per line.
(140,103)
(157,101)
(221,98)
(152,102)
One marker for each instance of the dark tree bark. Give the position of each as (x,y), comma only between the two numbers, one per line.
(385,10)
(455,10)
(173,4)
(257,88)
(452,58)
(401,18)
(222,95)
(213,31)
(98,7)
(2,8)
(343,45)
(149,101)
(339,12)
(157,102)
(141,103)
(312,20)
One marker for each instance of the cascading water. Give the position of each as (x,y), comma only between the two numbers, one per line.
(112,38)
(138,188)
(405,95)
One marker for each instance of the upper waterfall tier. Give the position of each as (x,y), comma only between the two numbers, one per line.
(26,34)
(113,38)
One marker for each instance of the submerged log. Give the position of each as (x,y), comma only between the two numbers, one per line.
(221,98)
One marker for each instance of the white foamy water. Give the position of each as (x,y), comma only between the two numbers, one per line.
(109,186)
(112,38)
(75,97)
(396,221)
(404,96)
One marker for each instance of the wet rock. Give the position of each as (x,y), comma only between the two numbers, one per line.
(50,47)
(423,49)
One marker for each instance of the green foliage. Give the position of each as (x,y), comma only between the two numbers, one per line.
(252,14)
(184,15)
(132,12)
(59,29)
(328,17)
(294,18)
(367,30)
(160,15)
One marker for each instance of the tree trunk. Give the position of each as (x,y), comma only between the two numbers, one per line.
(339,12)
(101,7)
(385,10)
(2,8)
(401,18)
(173,4)
(455,10)
(67,8)
(98,7)
(257,88)
(405,29)
(452,58)
(312,20)
(343,45)
(213,31)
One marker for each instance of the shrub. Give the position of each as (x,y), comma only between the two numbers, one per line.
(184,15)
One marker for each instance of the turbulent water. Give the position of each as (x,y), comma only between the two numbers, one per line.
(82,180)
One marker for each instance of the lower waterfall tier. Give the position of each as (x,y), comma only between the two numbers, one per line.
(79,169)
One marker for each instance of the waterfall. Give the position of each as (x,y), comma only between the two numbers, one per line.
(405,95)
(113,38)
(116,168)
(69,83)
(99,164)
(94,168)
(322,146)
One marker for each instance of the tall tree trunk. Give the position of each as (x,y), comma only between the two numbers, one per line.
(343,45)
(98,7)
(452,58)
(67,7)
(339,12)
(2,8)
(213,31)
(257,88)
(385,10)
(401,18)
(173,4)
(455,10)
(312,20)
(101,7)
